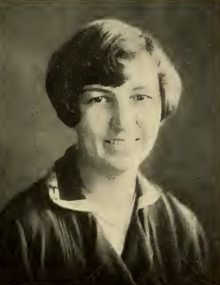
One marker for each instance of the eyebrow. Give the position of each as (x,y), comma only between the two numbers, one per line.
(138,88)
(101,89)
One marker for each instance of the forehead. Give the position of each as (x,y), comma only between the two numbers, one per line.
(141,70)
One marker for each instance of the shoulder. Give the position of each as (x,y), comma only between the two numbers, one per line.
(177,225)
(19,226)
(190,235)
(28,200)
(31,226)
(24,212)
(164,201)
(183,217)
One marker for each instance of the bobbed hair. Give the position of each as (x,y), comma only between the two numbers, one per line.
(92,56)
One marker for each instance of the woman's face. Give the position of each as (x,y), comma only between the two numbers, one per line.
(119,125)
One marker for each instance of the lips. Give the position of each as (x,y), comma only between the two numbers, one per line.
(118,141)
(114,141)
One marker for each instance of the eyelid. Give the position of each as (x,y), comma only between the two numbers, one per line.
(102,96)
(149,97)
(90,95)
(98,94)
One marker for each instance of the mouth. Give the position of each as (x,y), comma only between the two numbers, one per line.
(119,141)
(114,141)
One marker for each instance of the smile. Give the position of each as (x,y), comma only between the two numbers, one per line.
(115,141)
(118,141)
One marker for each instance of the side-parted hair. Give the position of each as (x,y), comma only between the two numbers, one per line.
(92,56)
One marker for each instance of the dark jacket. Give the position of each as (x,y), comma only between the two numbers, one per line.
(43,242)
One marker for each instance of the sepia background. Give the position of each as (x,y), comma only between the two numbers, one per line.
(186,158)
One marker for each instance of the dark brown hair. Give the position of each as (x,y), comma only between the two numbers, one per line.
(91,57)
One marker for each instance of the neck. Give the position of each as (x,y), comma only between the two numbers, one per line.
(102,187)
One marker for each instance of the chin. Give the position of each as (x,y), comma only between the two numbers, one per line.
(123,163)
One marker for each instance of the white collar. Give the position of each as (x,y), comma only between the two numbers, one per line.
(151,194)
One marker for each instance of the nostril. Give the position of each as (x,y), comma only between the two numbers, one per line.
(137,139)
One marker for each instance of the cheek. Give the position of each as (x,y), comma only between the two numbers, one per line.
(149,121)
(97,120)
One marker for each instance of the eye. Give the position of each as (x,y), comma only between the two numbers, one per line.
(140,97)
(99,99)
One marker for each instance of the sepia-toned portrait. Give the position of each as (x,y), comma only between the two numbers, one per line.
(107,173)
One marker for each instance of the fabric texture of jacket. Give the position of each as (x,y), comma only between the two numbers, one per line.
(42,240)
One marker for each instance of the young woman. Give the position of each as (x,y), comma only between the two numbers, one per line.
(95,218)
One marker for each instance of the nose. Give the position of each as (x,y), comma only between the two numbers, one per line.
(122,117)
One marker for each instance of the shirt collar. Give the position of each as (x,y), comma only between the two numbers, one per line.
(150,194)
